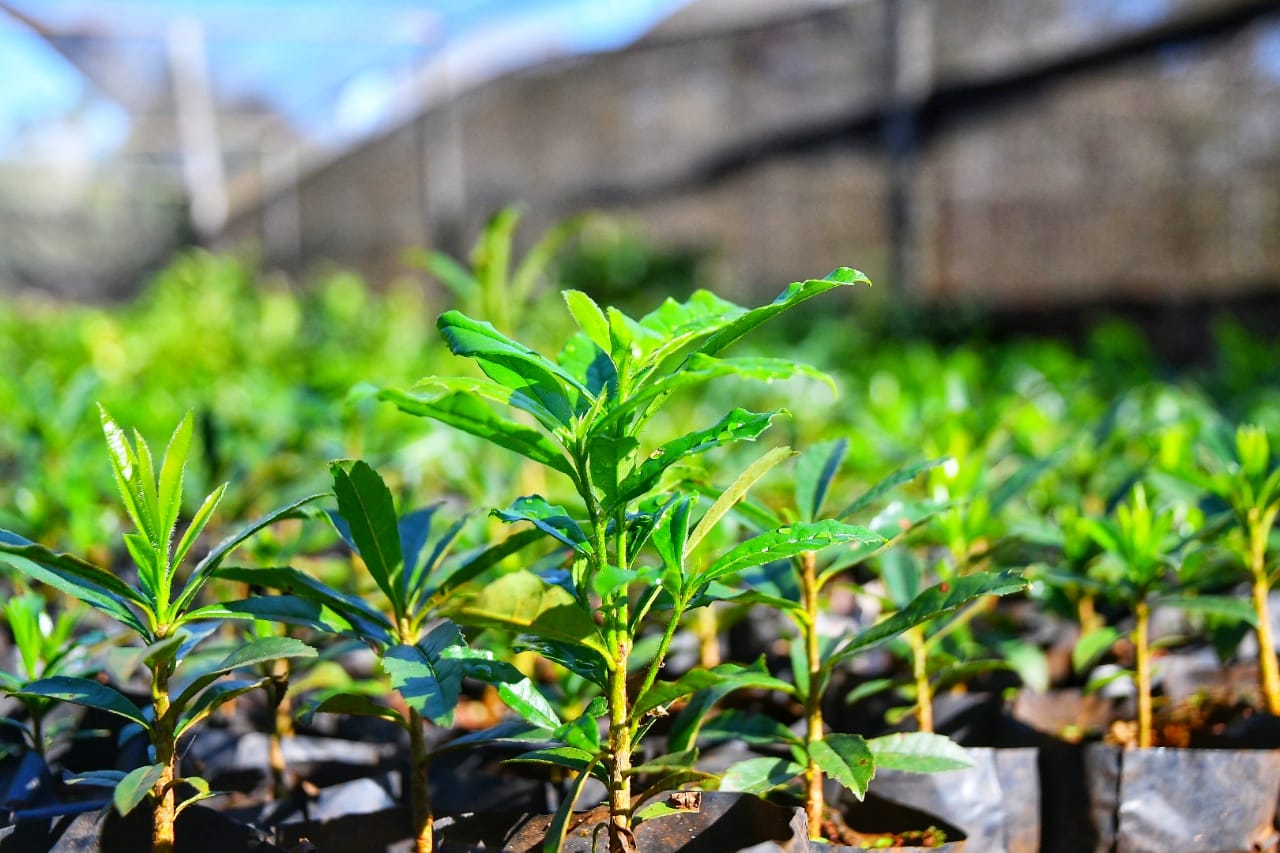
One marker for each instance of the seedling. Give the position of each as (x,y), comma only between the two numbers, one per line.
(1247,478)
(794,585)
(589,408)
(158,609)
(425,656)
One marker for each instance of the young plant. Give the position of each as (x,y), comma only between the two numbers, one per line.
(795,585)
(46,648)
(589,408)
(1247,478)
(425,656)
(158,610)
(1139,547)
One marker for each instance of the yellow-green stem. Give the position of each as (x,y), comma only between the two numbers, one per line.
(920,672)
(619,750)
(1142,650)
(1268,667)
(165,812)
(419,789)
(708,627)
(815,802)
(281,727)
(1087,613)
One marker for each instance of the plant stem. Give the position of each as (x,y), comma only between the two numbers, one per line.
(1142,649)
(165,812)
(1087,614)
(619,759)
(920,670)
(814,802)
(708,628)
(1268,667)
(419,789)
(281,727)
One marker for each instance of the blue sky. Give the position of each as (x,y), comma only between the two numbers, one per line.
(327,65)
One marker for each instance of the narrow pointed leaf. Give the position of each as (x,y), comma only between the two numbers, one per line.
(197,525)
(215,696)
(724,678)
(512,364)
(354,610)
(815,470)
(358,705)
(91,584)
(465,412)
(205,568)
(124,464)
(888,484)
(262,650)
(738,425)
(91,694)
(736,492)
(930,604)
(553,842)
(793,295)
(474,563)
(170,494)
(1092,646)
(1218,605)
(787,541)
(365,503)
(589,317)
(429,680)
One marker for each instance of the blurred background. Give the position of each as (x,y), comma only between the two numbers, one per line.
(1028,156)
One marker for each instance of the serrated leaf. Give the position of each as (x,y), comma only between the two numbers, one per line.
(847,759)
(136,787)
(928,605)
(725,677)
(897,478)
(738,425)
(785,542)
(918,752)
(262,650)
(732,495)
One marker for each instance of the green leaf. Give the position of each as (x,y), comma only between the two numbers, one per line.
(512,364)
(570,757)
(523,602)
(725,677)
(589,317)
(212,698)
(448,272)
(136,787)
(738,425)
(1091,646)
(474,563)
(815,469)
(170,494)
(578,659)
(91,694)
(464,412)
(759,775)
(888,484)
(551,520)
(355,704)
(847,759)
(751,728)
(364,619)
(198,523)
(365,503)
(553,842)
(583,733)
(918,752)
(928,605)
(206,567)
(125,466)
(730,496)
(901,574)
(262,650)
(785,542)
(1227,606)
(794,294)
(93,585)
(429,680)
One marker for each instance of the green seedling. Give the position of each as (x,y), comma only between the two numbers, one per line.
(425,656)
(159,609)
(46,648)
(1246,476)
(589,409)
(794,585)
(1140,567)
